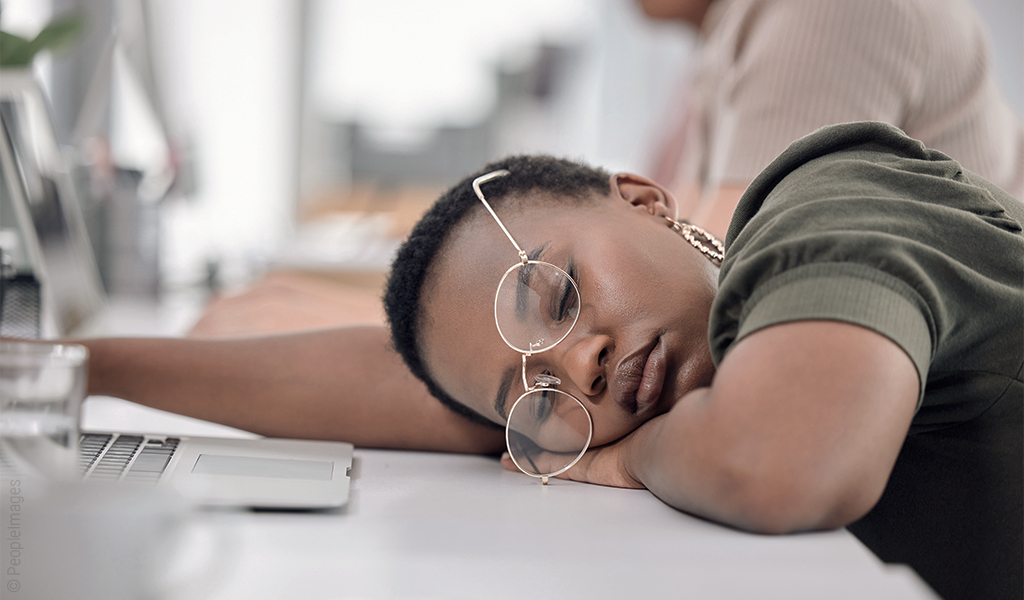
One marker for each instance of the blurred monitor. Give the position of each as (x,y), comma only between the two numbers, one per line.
(42,231)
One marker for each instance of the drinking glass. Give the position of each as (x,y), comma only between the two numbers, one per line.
(41,390)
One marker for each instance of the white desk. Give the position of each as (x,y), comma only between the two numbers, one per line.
(426,526)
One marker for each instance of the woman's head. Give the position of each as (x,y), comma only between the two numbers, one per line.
(640,341)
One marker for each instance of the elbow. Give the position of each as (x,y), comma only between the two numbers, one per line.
(784,500)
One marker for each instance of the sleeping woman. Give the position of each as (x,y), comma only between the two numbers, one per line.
(851,356)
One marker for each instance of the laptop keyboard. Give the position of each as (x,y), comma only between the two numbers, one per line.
(115,457)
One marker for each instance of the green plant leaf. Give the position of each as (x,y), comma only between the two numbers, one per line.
(59,33)
(16,51)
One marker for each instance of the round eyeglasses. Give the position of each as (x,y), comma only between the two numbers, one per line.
(535,307)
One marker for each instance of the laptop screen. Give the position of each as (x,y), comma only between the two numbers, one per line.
(42,231)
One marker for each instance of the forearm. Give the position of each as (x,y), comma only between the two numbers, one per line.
(344,384)
(695,460)
(799,430)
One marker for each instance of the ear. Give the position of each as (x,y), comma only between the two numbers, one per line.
(644,194)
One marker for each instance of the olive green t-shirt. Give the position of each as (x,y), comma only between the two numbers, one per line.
(859,223)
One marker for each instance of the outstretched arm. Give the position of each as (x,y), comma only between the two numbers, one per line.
(799,430)
(342,384)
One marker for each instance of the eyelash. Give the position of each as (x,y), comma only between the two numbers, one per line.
(547,405)
(571,270)
(564,300)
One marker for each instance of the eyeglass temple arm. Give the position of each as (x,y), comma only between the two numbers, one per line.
(476,188)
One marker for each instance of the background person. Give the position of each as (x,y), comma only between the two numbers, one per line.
(772,71)
(768,72)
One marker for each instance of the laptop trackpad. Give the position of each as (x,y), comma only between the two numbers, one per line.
(249,466)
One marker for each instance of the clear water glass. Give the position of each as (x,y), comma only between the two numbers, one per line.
(42,386)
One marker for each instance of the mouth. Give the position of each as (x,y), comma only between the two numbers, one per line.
(641,377)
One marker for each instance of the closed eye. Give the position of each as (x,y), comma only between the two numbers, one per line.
(568,303)
(541,407)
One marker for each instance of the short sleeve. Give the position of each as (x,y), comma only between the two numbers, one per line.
(849,293)
(861,224)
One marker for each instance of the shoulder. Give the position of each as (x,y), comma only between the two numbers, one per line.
(874,26)
(824,18)
(860,223)
(869,177)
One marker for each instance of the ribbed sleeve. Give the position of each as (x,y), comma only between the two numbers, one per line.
(849,293)
(860,224)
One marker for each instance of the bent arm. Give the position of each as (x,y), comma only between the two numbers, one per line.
(799,430)
(342,384)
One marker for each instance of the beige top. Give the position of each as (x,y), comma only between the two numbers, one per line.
(772,71)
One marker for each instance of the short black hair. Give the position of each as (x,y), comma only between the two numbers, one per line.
(528,174)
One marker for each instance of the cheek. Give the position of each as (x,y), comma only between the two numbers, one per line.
(632,279)
(463,365)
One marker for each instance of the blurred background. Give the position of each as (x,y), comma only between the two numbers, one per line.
(213,142)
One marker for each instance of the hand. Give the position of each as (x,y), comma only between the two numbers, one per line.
(605,465)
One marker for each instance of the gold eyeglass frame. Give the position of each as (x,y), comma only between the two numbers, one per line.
(543,381)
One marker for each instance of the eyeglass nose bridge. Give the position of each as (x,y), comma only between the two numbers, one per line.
(540,380)
(546,380)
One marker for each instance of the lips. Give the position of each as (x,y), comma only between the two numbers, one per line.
(640,377)
(649,392)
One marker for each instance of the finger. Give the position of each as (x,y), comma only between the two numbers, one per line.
(597,466)
(602,466)
(509,464)
(506,461)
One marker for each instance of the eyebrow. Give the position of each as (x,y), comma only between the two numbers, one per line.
(501,398)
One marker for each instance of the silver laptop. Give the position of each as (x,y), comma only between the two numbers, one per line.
(49,283)
(260,473)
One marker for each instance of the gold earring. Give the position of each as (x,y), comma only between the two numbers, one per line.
(690,232)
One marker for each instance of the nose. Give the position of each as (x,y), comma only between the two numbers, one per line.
(584,361)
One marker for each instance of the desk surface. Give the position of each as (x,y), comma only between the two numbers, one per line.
(425,525)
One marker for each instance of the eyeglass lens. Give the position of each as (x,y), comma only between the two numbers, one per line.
(548,431)
(536,306)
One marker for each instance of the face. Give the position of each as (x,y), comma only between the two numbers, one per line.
(641,339)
